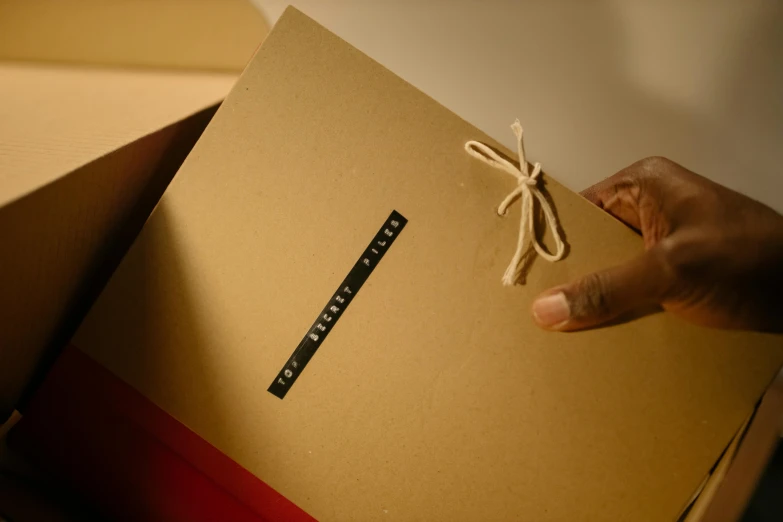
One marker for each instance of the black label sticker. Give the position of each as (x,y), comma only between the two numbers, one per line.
(337,305)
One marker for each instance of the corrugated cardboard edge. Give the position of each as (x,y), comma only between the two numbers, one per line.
(701,499)
(732,495)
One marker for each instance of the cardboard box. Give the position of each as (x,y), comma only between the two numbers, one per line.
(100,101)
(435,398)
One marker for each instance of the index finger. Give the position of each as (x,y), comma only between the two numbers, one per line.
(619,196)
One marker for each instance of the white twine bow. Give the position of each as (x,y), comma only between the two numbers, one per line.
(527,188)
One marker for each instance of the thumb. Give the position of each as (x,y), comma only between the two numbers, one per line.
(599,297)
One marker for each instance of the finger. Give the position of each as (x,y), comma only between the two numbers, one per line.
(619,196)
(593,192)
(602,296)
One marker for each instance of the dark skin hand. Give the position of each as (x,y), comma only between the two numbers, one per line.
(712,256)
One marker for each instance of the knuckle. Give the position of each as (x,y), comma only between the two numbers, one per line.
(655,163)
(680,256)
(669,263)
(593,299)
(653,167)
(683,263)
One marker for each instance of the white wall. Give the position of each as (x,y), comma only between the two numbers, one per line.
(597,84)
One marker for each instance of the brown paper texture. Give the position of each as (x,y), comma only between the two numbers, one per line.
(435,397)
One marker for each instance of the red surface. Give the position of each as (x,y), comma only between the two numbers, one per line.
(132,460)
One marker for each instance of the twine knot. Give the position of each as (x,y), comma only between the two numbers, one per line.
(527,190)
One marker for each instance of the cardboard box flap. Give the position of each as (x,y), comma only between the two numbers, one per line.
(56,119)
(62,242)
(174,34)
(81,146)
(435,397)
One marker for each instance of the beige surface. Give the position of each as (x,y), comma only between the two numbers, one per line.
(435,398)
(598,84)
(63,240)
(170,34)
(83,148)
(54,119)
(78,148)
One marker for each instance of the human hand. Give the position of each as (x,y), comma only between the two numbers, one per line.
(712,256)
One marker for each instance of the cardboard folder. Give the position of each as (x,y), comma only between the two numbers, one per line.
(432,396)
